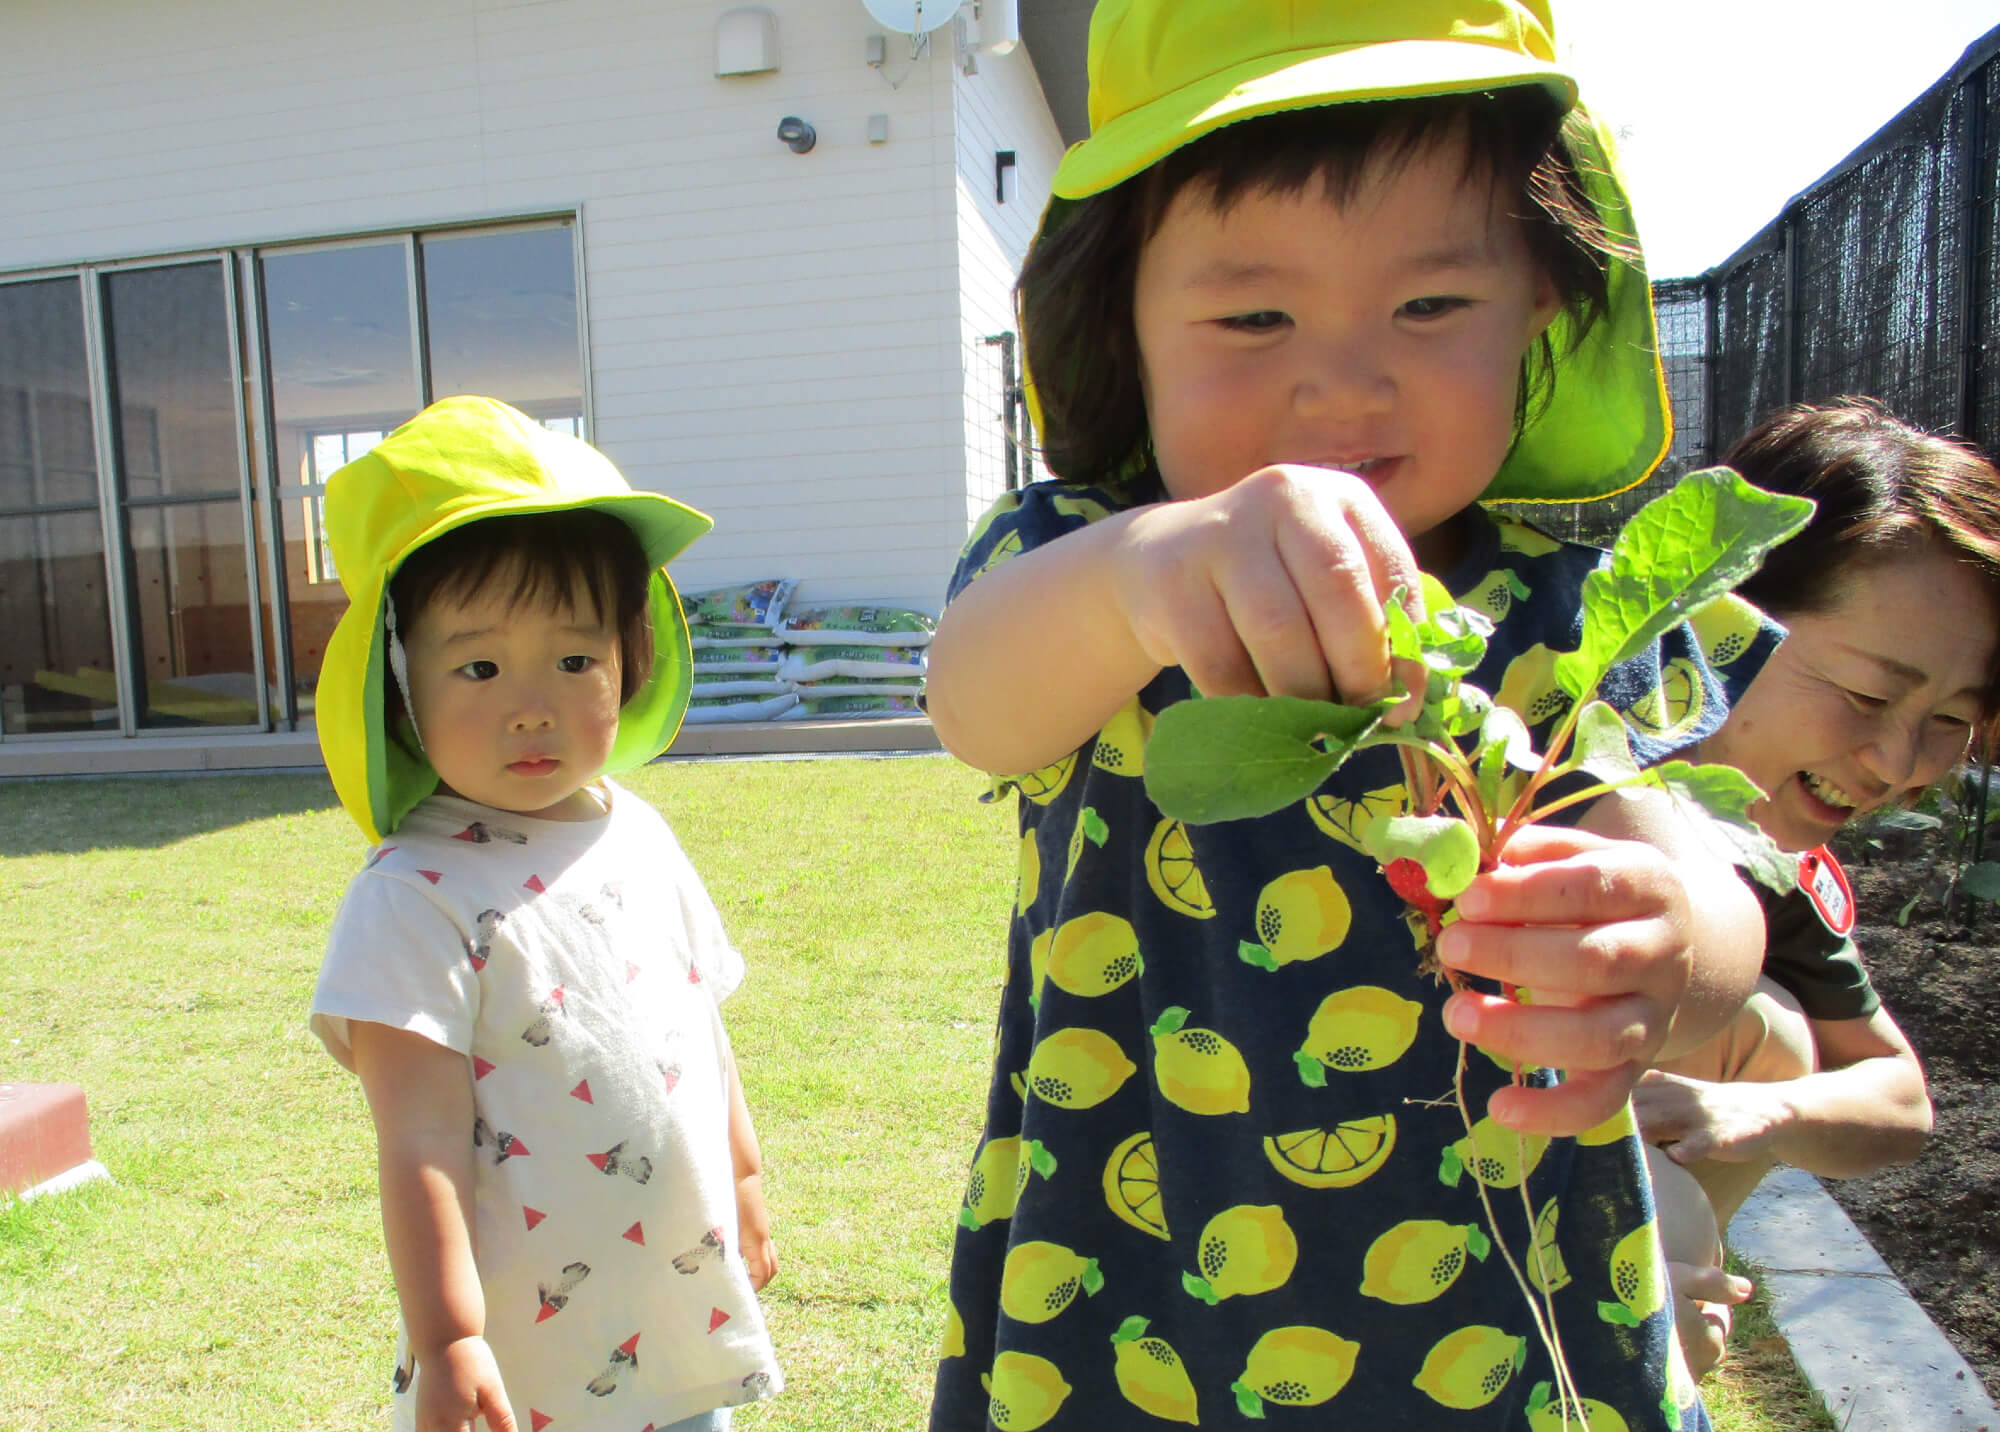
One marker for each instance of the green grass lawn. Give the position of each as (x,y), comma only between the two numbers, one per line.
(160,943)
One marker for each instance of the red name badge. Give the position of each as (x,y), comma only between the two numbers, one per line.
(1825,884)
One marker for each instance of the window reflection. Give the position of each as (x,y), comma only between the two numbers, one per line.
(500,313)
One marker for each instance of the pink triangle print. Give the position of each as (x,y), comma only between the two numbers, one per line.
(636,1234)
(534,883)
(631,972)
(630,1347)
(538,1420)
(480,1068)
(582,1091)
(533,1215)
(716,1318)
(431,875)
(694,975)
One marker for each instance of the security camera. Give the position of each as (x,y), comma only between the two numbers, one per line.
(797,133)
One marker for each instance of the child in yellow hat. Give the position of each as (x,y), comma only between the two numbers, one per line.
(525,976)
(1322,277)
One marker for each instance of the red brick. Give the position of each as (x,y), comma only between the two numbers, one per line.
(44,1131)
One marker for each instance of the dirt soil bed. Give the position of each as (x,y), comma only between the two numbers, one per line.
(1937,1222)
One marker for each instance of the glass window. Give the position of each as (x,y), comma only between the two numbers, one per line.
(55,623)
(188,604)
(501,318)
(343,372)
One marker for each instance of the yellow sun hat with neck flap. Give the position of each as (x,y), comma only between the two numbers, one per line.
(1163,73)
(458,461)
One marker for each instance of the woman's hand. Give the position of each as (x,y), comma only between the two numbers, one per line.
(459,1383)
(1692,1119)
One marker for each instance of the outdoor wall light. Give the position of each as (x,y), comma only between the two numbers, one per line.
(797,133)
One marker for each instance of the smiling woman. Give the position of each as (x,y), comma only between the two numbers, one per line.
(1892,597)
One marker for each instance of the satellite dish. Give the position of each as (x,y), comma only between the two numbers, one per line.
(912,17)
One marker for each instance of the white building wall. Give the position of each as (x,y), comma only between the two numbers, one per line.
(774,337)
(998,107)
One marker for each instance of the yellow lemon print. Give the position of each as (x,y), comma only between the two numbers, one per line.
(1039,1280)
(1151,1375)
(999,1174)
(1171,871)
(1132,1185)
(1619,1127)
(1355,1030)
(1572,1415)
(1023,1391)
(1008,546)
(1089,826)
(1030,882)
(1038,965)
(1294,1367)
(1469,1367)
(1546,1269)
(1529,689)
(1045,785)
(1078,1068)
(1347,821)
(1494,1154)
(1093,954)
(1246,1249)
(1725,628)
(1674,706)
(954,1333)
(1518,536)
(1638,1277)
(1301,915)
(1681,1392)
(1495,593)
(1121,745)
(1198,1069)
(1338,1156)
(1419,1258)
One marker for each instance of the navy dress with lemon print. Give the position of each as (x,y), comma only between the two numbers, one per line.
(1221,1175)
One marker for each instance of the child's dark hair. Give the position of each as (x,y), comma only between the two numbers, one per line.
(545,556)
(1075,292)
(1883,488)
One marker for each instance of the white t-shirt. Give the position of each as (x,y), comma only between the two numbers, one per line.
(577,965)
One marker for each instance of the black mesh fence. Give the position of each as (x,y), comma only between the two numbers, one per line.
(1883,278)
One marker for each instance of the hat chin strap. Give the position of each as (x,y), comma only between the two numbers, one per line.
(399,664)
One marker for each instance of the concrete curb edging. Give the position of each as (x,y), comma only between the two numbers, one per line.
(1871,1353)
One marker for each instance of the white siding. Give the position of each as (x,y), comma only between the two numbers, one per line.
(999,107)
(775,338)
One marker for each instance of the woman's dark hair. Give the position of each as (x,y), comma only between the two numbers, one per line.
(1883,488)
(544,557)
(1076,286)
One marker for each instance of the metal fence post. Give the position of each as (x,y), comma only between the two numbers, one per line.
(1971,310)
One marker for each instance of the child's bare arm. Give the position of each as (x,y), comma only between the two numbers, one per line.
(420,1096)
(753,1218)
(1272,586)
(1634,939)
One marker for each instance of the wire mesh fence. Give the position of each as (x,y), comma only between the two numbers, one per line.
(1882,278)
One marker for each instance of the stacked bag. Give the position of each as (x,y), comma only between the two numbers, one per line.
(756,658)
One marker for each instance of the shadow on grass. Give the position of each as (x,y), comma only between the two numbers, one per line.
(69,817)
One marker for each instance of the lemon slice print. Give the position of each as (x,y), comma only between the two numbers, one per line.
(1546,1269)
(1468,1368)
(1132,1185)
(1347,821)
(1294,1367)
(1419,1258)
(1172,874)
(1151,1374)
(1008,546)
(1337,1156)
(1674,706)
(1045,785)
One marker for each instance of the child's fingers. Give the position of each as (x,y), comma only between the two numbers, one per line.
(1345,556)
(1270,620)
(1601,1034)
(1582,1101)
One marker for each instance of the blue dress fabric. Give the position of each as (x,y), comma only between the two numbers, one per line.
(1221,1173)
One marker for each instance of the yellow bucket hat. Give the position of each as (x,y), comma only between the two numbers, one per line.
(460,460)
(1166,72)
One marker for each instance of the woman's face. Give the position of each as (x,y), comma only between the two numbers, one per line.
(1865,702)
